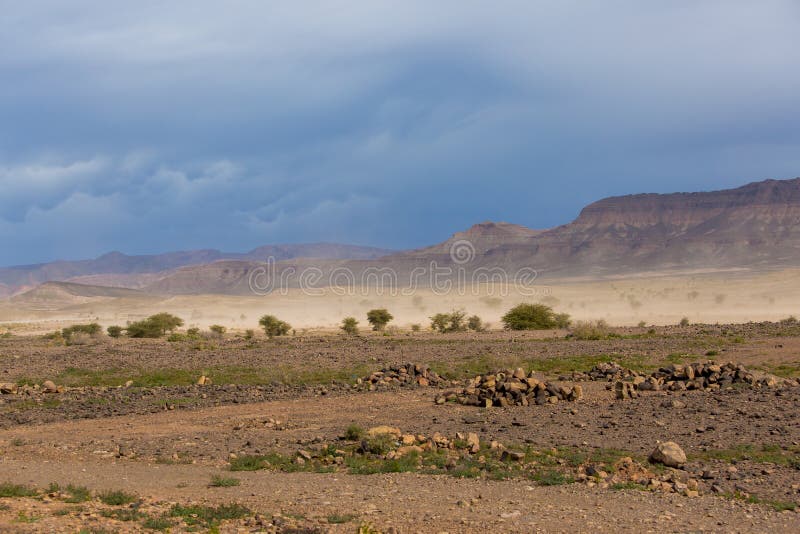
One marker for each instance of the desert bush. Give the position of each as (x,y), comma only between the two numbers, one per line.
(476,324)
(449,322)
(641,324)
(534,317)
(591,330)
(273,326)
(249,334)
(193,333)
(114,331)
(349,325)
(789,320)
(379,318)
(92,329)
(684,321)
(154,326)
(217,330)
(416,327)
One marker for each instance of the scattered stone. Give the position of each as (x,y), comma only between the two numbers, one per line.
(625,390)
(48,386)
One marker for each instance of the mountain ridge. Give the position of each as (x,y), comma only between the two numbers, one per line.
(755,226)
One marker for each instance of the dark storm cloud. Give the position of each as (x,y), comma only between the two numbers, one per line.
(156,126)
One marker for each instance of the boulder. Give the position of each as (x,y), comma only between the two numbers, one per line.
(668,453)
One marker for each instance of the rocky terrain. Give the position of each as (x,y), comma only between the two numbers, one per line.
(370,433)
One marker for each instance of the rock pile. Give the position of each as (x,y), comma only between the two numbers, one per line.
(406,375)
(509,388)
(708,375)
(48,386)
(602,371)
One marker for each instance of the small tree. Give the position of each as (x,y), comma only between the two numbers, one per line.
(379,318)
(534,317)
(475,324)
(349,325)
(218,330)
(273,326)
(114,331)
(154,326)
(449,322)
(92,330)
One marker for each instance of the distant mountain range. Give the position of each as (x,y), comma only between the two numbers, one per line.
(755,227)
(120,270)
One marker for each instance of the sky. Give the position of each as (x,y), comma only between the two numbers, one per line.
(153,126)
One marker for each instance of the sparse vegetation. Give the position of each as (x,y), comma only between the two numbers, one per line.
(273,326)
(591,330)
(114,331)
(684,321)
(354,433)
(116,497)
(449,322)
(219,481)
(476,324)
(209,516)
(534,317)
(217,330)
(379,318)
(80,334)
(154,326)
(8,489)
(349,325)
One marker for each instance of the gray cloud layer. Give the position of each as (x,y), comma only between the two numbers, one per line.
(153,126)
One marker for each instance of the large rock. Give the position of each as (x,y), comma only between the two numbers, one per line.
(668,453)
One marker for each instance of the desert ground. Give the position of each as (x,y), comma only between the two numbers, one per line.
(661,298)
(319,431)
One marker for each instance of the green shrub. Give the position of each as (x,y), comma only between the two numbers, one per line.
(684,321)
(379,318)
(92,329)
(116,498)
(154,326)
(7,489)
(534,317)
(114,331)
(591,330)
(354,433)
(249,334)
(416,327)
(449,322)
(349,325)
(218,330)
(209,516)
(476,324)
(273,326)
(219,481)
(381,444)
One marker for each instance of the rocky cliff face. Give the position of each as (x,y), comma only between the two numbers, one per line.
(682,211)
